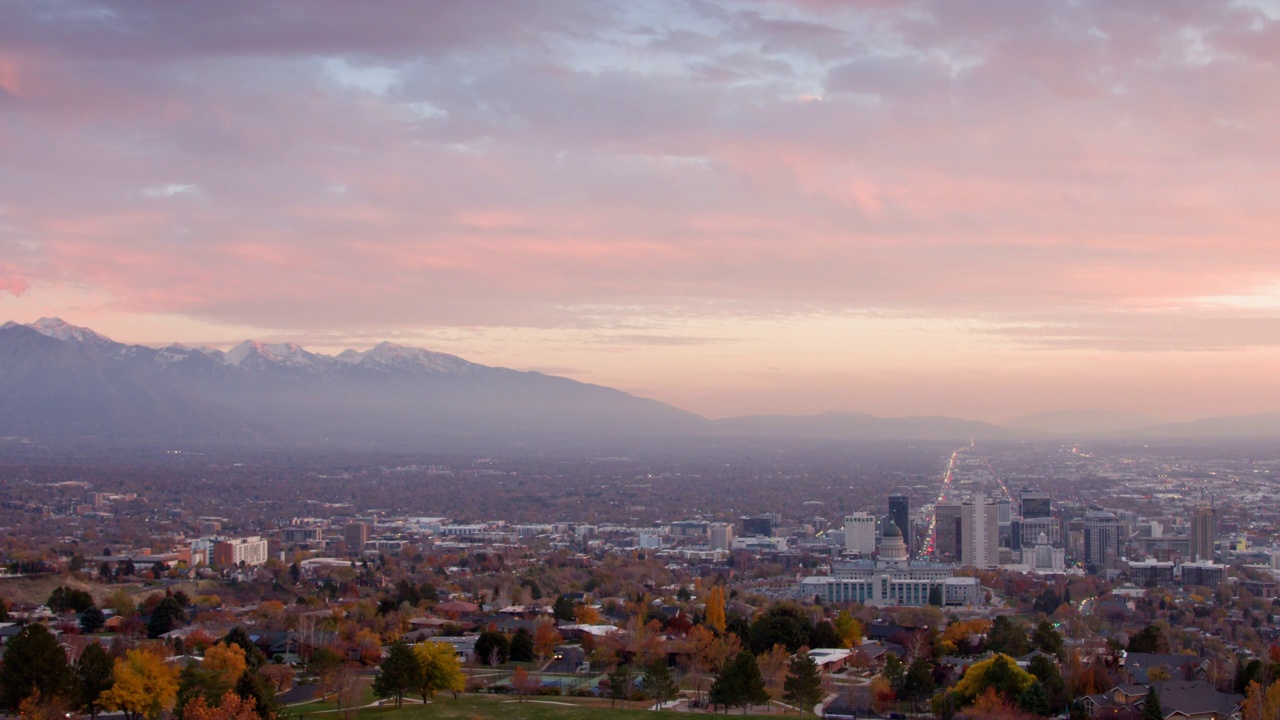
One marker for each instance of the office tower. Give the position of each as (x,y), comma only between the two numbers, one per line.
(980,533)
(1101,539)
(1035,504)
(721,536)
(1203,534)
(946,531)
(860,533)
(761,525)
(356,535)
(900,511)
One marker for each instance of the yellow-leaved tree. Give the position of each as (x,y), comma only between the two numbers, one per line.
(441,670)
(144,686)
(715,609)
(227,661)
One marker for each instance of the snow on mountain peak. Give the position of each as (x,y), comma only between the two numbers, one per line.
(279,353)
(390,355)
(60,329)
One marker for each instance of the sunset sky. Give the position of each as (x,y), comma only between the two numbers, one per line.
(979,209)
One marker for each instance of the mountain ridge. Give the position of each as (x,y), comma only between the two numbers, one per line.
(60,380)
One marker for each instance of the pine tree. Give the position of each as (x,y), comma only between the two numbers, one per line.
(94,673)
(619,685)
(398,674)
(658,682)
(803,686)
(740,683)
(1151,709)
(34,664)
(522,646)
(1034,699)
(252,686)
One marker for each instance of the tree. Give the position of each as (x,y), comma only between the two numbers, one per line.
(1047,640)
(34,664)
(849,628)
(144,686)
(1046,672)
(715,609)
(399,674)
(803,686)
(441,671)
(227,663)
(165,617)
(999,673)
(252,687)
(619,680)
(562,610)
(935,595)
(522,646)
(1035,699)
(782,624)
(253,657)
(825,635)
(66,599)
(492,647)
(230,707)
(1007,637)
(740,683)
(1148,640)
(658,682)
(94,673)
(545,640)
(918,683)
(1048,602)
(92,620)
(523,683)
(895,673)
(1151,709)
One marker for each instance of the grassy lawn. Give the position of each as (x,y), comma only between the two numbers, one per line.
(497,707)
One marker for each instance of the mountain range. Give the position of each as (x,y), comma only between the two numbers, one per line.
(62,382)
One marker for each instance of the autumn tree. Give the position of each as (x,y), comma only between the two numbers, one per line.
(34,664)
(545,640)
(848,628)
(715,609)
(230,707)
(94,673)
(523,683)
(441,670)
(144,686)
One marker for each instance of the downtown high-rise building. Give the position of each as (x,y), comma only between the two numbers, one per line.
(1101,539)
(1204,534)
(900,512)
(980,533)
(946,532)
(860,533)
(1034,504)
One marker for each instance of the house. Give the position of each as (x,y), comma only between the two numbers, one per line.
(1179,699)
(830,660)
(1138,666)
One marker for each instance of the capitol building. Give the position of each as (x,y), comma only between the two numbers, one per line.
(893,579)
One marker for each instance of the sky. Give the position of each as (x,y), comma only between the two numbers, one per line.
(978,208)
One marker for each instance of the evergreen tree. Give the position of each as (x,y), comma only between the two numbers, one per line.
(252,686)
(563,609)
(1047,674)
(92,620)
(1047,640)
(1034,699)
(165,617)
(740,683)
(825,636)
(1047,602)
(1148,640)
(34,664)
(398,674)
(252,655)
(1007,637)
(94,673)
(782,624)
(935,596)
(918,682)
(658,682)
(1151,709)
(803,686)
(492,647)
(522,646)
(619,685)
(895,673)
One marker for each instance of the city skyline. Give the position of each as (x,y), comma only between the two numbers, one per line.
(735,208)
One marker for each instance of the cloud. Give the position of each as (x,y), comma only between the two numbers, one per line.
(1055,170)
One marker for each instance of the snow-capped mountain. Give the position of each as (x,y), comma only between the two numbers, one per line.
(59,380)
